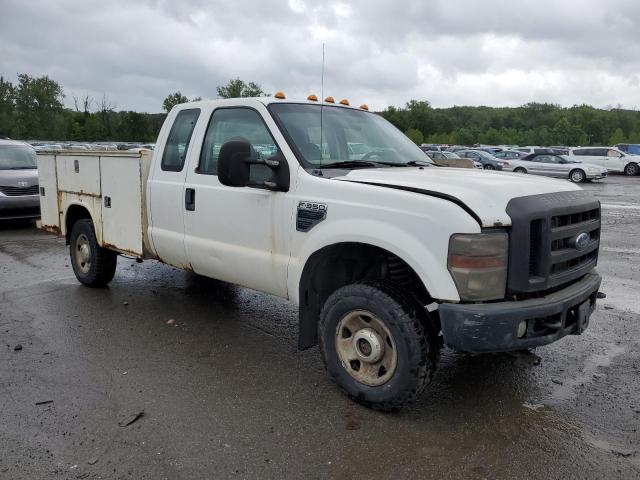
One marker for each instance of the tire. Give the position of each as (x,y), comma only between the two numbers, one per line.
(410,347)
(489,167)
(631,169)
(93,265)
(577,176)
(519,170)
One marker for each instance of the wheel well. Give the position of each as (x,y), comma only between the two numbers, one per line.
(74,213)
(342,264)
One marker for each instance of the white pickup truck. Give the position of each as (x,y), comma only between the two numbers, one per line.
(388,256)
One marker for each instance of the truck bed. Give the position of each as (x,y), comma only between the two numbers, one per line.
(109,185)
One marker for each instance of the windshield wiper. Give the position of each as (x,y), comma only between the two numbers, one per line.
(420,163)
(22,168)
(351,164)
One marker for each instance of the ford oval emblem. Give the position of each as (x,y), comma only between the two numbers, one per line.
(582,240)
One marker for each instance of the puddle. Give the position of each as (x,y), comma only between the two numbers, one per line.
(567,390)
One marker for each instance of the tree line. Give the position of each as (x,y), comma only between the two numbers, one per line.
(530,124)
(33,109)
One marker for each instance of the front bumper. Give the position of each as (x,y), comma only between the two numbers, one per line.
(493,327)
(595,175)
(24,206)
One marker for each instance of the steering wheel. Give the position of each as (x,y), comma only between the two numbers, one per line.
(368,155)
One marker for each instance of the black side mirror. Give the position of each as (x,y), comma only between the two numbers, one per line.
(234,163)
(234,167)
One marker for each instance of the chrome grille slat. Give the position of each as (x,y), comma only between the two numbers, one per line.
(12,191)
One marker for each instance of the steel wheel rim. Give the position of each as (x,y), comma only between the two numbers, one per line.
(83,253)
(366,348)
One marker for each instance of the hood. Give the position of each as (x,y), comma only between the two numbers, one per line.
(485,193)
(10,178)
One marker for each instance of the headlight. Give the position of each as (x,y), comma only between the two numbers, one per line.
(478,264)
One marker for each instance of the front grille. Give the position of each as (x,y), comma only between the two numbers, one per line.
(18,191)
(543,250)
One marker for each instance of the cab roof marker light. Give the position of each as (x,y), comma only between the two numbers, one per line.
(329,100)
(344,101)
(312,98)
(364,106)
(280,95)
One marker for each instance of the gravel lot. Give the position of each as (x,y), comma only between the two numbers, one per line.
(226,394)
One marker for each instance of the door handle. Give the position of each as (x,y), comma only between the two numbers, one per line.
(190,199)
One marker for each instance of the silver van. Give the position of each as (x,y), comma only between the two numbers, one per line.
(18,181)
(612,159)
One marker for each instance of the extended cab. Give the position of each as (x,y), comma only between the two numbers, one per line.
(388,256)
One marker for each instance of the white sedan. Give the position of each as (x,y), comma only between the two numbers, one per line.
(558,166)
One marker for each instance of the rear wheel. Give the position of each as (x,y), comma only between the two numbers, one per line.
(577,176)
(631,169)
(375,346)
(93,265)
(519,170)
(489,167)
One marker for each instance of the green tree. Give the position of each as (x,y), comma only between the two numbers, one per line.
(172,100)
(617,137)
(415,136)
(239,88)
(7,107)
(37,103)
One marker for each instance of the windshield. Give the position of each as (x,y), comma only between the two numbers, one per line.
(350,137)
(17,157)
(451,156)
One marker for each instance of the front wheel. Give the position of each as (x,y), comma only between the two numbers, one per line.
(520,170)
(93,265)
(489,167)
(375,347)
(631,169)
(577,176)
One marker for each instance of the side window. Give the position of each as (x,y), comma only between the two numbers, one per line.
(581,152)
(599,152)
(175,151)
(237,124)
(613,153)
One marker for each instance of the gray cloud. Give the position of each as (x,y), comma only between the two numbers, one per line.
(492,52)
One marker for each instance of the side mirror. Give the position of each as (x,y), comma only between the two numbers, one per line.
(234,167)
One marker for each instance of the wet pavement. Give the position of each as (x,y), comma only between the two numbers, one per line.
(225,393)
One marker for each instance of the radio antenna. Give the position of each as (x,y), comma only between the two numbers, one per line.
(321,104)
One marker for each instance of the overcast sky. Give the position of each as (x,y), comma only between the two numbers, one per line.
(449,52)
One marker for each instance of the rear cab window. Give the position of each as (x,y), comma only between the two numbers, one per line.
(177,146)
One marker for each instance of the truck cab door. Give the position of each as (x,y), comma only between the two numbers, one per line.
(238,234)
(166,188)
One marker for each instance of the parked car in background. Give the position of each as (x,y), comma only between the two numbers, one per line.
(558,166)
(19,196)
(488,161)
(629,148)
(449,159)
(560,150)
(510,154)
(535,149)
(612,159)
(430,147)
